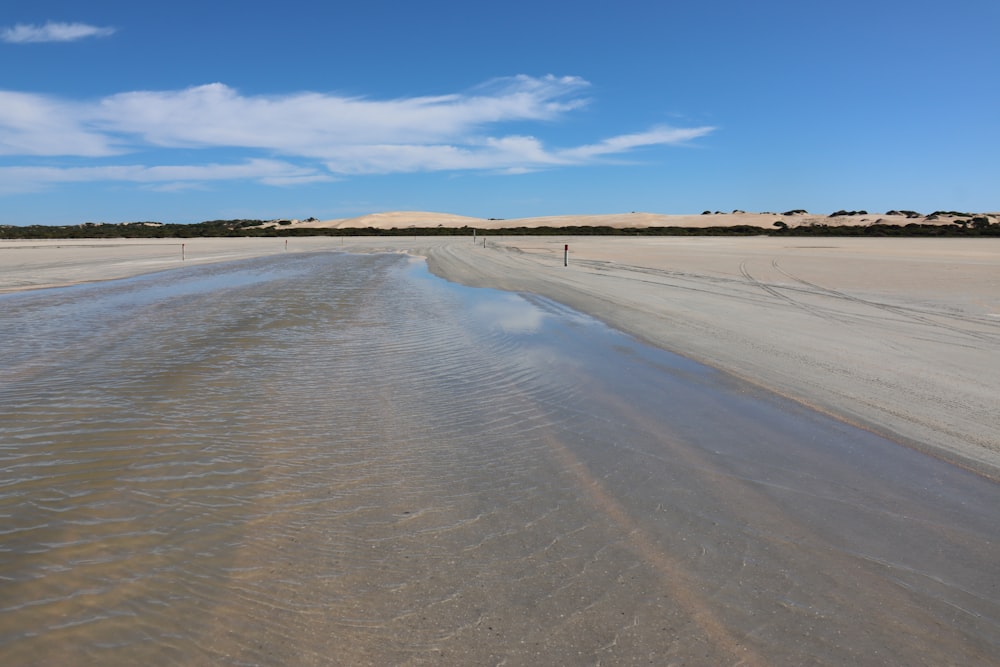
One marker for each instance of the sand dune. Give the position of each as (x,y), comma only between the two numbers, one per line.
(423,219)
(395,219)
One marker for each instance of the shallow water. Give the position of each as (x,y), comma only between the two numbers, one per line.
(340,459)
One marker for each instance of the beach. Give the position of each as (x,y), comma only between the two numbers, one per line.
(899,336)
(266,456)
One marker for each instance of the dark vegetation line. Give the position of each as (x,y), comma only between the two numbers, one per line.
(972,227)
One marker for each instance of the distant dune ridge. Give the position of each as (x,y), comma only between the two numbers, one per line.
(798,218)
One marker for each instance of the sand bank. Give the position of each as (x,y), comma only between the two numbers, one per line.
(900,336)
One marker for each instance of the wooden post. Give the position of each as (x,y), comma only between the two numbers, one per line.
(182,252)
(566,255)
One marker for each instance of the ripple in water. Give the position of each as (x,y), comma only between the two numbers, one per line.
(337,459)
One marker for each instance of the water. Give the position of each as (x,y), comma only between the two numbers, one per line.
(340,459)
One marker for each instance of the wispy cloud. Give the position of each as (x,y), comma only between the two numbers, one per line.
(164,177)
(658,136)
(32,124)
(318,135)
(318,125)
(52,32)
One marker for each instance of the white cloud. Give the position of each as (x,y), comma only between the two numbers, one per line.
(500,154)
(318,125)
(52,32)
(33,124)
(659,136)
(344,134)
(168,177)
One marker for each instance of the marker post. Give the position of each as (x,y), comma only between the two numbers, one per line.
(566,255)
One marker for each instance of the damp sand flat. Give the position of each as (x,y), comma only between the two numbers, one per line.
(897,335)
(321,458)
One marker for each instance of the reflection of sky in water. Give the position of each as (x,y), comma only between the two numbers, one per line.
(552,333)
(493,309)
(511,313)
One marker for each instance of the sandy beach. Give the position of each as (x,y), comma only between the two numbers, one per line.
(308,454)
(898,336)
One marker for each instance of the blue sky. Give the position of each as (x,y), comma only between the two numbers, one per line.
(188,111)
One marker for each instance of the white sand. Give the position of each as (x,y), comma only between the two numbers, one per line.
(901,336)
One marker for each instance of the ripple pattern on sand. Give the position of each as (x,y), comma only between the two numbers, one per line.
(337,459)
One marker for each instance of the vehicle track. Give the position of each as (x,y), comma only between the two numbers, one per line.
(669,276)
(908,313)
(780,295)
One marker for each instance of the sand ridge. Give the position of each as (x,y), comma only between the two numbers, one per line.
(394,219)
(764,220)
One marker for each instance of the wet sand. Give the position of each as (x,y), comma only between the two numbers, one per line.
(322,459)
(899,336)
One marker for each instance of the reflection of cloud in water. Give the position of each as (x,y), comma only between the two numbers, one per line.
(511,313)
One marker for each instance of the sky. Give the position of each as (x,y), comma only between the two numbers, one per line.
(190,111)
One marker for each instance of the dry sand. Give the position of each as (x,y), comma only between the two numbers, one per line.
(900,336)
